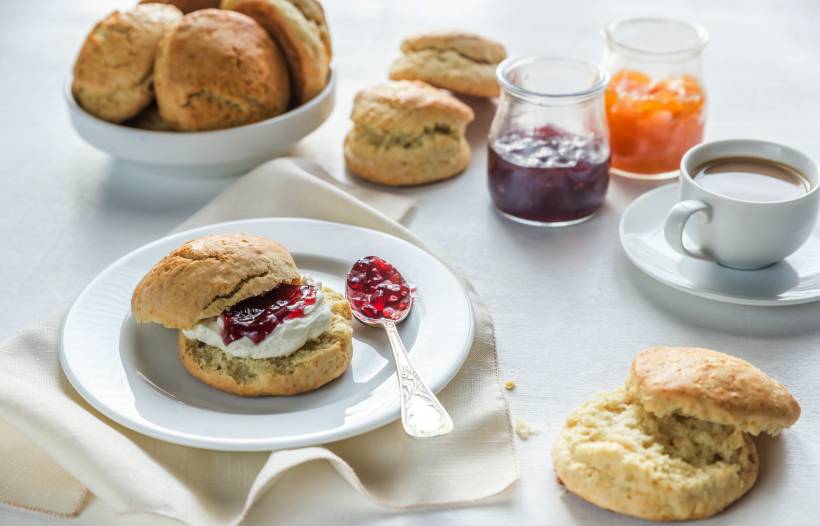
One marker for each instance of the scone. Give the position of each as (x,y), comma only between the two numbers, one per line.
(618,456)
(711,386)
(249,323)
(458,61)
(300,28)
(675,443)
(217,69)
(407,133)
(113,74)
(186,6)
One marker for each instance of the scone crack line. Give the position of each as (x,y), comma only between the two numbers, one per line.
(384,138)
(194,256)
(120,30)
(237,288)
(222,99)
(442,52)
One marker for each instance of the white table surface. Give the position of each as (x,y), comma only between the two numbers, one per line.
(570,310)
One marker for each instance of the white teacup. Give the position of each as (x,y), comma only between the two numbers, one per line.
(733,232)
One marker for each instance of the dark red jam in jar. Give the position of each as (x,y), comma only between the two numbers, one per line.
(376,289)
(259,316)
(548,175)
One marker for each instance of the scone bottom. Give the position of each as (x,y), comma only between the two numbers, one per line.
(319,361)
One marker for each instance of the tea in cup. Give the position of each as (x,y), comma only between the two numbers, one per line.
(745,204)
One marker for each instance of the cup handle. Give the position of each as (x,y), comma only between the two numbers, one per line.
(676,221)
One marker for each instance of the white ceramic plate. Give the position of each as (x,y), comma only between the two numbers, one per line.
(205,153)
(792,281)
(131,373)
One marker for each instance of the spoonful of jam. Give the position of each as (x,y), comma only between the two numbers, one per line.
(379,296)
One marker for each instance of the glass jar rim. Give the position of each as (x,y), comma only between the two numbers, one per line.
(702,37)
(601,78)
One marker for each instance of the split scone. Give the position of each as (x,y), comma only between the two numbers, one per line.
(248,322)
(300,28)
(675,443)
(455,60)
(113,74)
(218,69)
(407,133)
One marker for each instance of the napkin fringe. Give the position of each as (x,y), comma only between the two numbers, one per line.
(73,514)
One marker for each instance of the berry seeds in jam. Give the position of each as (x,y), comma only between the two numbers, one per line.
(548,175)
(376,290)
(259,316)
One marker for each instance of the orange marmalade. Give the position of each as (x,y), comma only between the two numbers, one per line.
(653,123)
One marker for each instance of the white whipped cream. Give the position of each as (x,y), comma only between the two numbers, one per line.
(286,338)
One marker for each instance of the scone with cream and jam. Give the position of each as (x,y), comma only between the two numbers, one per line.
(249,323)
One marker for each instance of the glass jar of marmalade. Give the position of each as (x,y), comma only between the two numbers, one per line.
(548,149)
(656,102)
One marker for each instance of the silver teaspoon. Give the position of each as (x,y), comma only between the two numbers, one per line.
(380,297)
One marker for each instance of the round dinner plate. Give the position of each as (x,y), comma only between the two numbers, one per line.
(792,281)
(131,372)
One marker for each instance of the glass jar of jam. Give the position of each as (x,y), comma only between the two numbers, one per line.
(548,149)
(656,101)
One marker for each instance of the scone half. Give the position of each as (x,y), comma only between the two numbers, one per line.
(316,363)
(616,455)
(711,386)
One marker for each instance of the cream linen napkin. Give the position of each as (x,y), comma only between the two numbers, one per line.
(55,448)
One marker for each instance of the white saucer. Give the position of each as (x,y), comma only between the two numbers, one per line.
(131,372)
(792,281)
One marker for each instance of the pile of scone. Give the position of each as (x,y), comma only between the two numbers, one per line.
(204,68)
(410,131)
(675,443)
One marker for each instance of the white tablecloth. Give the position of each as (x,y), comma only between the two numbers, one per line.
(570,311)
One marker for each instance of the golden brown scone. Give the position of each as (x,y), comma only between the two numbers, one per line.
(217,69)
(186,6)
(113,74)
(205,276)
(616,455)
(300,28)
(711,386)
(455,60)
(407,133)
(318,362)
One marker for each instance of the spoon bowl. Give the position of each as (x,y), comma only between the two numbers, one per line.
(378,322)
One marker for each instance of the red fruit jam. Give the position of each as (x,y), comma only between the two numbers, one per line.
(376,289)
(548,175)
(258,316)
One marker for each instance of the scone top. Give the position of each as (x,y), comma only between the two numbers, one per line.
(473,46)
(710,386)
(407,106)
(205,276)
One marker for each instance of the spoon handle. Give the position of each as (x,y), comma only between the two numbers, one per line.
(422,415)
